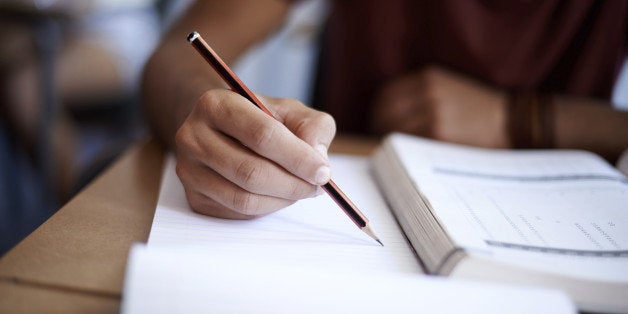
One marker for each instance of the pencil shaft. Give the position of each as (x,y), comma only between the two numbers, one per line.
(237,86)
(225,72)
(345,204)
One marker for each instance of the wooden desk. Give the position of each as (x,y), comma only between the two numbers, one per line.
(75,261)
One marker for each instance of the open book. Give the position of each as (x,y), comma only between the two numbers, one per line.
(555,218)
(304,256)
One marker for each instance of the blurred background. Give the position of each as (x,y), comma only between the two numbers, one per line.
(69,74)
(69,103)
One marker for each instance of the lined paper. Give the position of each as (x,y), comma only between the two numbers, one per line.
(312,231)
(307,258)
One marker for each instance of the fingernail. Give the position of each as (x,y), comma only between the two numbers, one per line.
(322,175)
(322,149)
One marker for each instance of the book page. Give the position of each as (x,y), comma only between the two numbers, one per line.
(313,231)
(524,206)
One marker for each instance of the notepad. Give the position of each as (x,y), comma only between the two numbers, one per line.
(313,230)
(307,258)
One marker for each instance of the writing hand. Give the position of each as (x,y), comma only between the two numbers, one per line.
(237,162)
(443,105)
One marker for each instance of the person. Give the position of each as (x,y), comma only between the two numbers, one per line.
(485,73)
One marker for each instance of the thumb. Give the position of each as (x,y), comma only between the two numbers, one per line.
(314,127)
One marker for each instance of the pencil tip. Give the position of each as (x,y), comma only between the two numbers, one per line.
(367,229)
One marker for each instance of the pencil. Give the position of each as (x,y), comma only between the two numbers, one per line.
(237,86)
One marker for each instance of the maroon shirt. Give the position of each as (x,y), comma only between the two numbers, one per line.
(549,46)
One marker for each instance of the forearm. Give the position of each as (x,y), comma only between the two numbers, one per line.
(176,76)
(591,125)
(170,88)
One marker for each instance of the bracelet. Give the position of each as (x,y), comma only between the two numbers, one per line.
(531,121)
(546,121)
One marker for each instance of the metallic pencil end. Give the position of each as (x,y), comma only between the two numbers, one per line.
(380,242)
(192,36)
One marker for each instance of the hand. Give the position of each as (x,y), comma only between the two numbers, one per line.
(442,105)
(237,162)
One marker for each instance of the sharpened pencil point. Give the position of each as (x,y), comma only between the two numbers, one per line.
(367,229)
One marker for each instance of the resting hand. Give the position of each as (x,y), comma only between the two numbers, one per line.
(442,105)
(237,162)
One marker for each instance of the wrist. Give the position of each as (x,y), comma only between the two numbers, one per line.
(500,119)
(530,121)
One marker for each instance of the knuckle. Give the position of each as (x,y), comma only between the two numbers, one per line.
(205,205)
(299,191)
(197,202)
(186,142)
(180,170)
(249,175)
(314,125)
(183,137)
(209,207)
(288,102)
(263,134)
(211,103)
(281,101)
(283,106)
(209,97)
(244,203)
(327,121)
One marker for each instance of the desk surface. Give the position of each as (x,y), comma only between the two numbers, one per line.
(75,261)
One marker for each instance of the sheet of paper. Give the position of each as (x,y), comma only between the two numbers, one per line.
(175,280)
(308,258)
(532,208)
(310,232)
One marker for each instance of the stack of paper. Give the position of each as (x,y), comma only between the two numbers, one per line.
(308,258)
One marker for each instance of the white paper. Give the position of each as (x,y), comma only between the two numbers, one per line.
(167,280)
(308,258)
(312,231)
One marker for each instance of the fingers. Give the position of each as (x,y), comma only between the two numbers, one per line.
(246,169)
(312,126)
(209,193)
(267,137)
(237,162)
